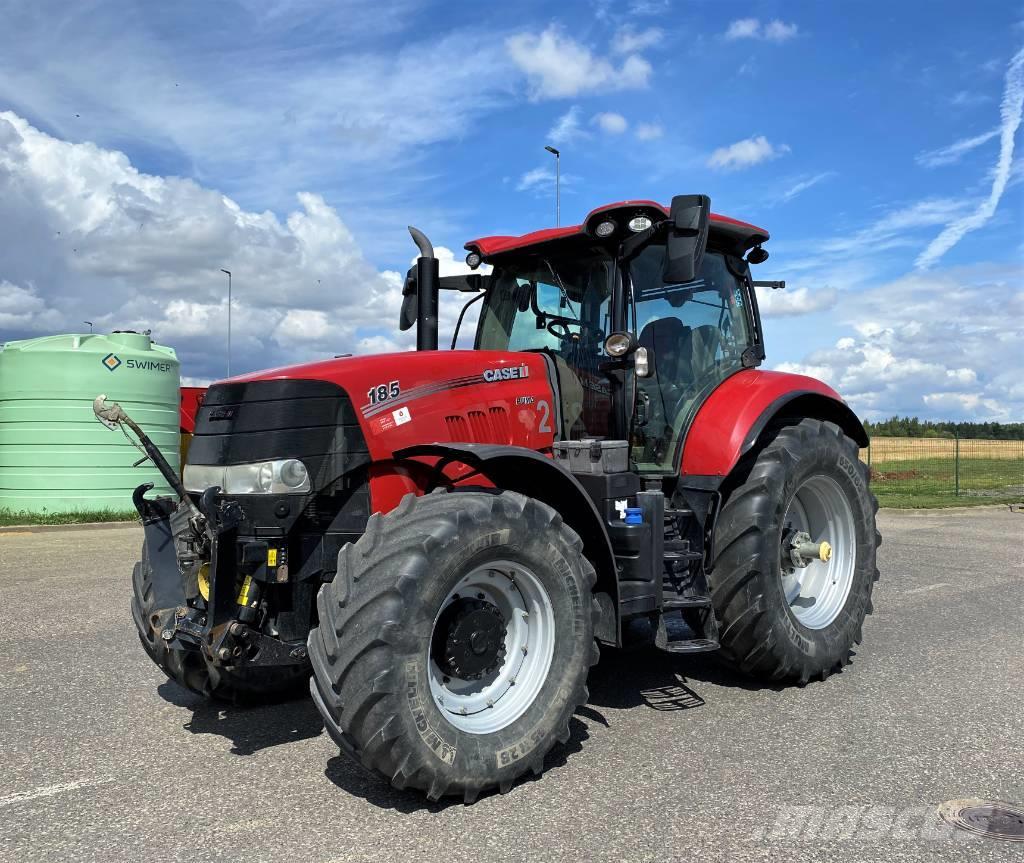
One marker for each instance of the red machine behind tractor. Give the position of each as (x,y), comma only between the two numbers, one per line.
(443,538)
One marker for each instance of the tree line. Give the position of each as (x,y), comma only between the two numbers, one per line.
(913,427)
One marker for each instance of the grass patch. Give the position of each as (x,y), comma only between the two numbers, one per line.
(10,518)
(926,482)
(935,501)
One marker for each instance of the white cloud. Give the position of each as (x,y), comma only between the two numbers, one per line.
(745,153)
(792,302)
(101,241)
(779,31)
(567,127)
(648,7)
(610,122)
(1010,112)
(743,28)
(535,179)
(751,28)
(953,153)
(628,40)
(23,308)
(251,98)
(968,98)
(557,66)
(943,345)
(803,185)
(649,131)
(895,229)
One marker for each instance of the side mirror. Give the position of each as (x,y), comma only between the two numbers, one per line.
(407,316)
(687,238)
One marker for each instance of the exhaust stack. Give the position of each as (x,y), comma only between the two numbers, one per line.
(427,275)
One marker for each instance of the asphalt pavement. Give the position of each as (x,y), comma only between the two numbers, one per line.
(674,758)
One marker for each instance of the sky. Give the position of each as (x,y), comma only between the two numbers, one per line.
(143,147)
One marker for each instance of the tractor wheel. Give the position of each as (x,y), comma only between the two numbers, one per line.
(192,671)
(455,640)
(785,614)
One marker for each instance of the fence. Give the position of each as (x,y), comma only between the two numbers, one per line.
(923,471)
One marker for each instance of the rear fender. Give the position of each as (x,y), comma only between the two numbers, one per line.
(534,475)
(745,406)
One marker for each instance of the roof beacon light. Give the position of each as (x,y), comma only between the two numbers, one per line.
(639,223)
(473,260)
(605,228)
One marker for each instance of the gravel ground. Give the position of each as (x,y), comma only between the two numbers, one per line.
(102,758)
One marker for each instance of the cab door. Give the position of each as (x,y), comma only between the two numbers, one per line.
(697,334)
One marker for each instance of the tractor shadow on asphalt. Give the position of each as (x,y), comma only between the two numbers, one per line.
(355,779)
(250,729)
(648,677)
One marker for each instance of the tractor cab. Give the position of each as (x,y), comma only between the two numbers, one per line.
(680,333)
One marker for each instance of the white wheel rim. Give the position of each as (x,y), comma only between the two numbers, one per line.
(499,698)
(817,593)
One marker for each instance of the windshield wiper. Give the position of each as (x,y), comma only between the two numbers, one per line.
(561,288)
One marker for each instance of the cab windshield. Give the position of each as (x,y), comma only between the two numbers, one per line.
(560,303)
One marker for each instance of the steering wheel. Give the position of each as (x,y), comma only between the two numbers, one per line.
(560,330)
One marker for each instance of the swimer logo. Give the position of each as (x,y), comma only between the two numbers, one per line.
(506,373)
(111,361)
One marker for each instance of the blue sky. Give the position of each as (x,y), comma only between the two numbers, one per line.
(144,146)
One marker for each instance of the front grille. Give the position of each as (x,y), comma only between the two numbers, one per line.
(253,421)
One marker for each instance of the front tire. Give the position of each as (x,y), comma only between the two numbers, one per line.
(455,640)
(780,621)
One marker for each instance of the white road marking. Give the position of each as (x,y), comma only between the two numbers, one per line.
(50,790)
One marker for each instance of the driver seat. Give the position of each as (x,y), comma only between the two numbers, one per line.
(668,340)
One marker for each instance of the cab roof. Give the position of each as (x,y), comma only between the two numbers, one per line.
(737,235)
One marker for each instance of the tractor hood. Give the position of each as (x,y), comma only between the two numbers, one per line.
(408,398)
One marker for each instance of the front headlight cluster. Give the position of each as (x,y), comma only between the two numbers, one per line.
(281,476)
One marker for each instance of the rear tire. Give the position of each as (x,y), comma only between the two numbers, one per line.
(377,651)
(771,627)
(191,670)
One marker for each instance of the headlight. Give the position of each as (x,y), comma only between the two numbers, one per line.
(281,476)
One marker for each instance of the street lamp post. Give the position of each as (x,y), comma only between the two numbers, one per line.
(558,184)
(228,273)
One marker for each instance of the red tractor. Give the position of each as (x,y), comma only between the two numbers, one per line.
(444,537)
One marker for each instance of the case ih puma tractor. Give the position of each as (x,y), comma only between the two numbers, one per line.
(443,538)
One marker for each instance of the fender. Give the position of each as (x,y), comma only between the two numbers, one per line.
(730,422)
(537,476)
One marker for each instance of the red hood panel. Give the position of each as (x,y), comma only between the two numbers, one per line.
(418,397)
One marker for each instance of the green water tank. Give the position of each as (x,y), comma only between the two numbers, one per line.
(55,456)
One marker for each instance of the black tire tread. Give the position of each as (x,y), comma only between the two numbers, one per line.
(366,602)
(746,633)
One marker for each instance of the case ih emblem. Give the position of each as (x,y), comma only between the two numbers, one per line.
(111,361)
(507,373)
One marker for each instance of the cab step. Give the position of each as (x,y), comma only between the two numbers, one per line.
(693,645)
(677,602)
(663,641)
